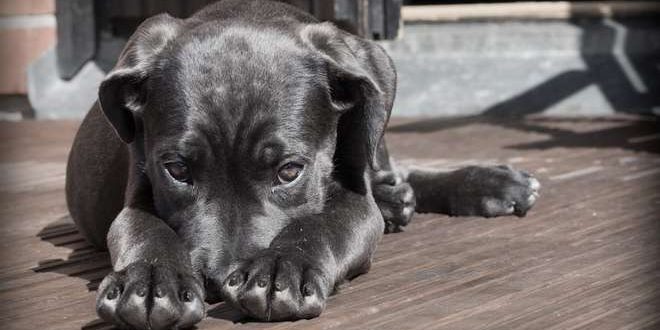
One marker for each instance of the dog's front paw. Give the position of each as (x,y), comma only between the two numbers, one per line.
(493,191)
(395,199)
(277,286)
(146,296)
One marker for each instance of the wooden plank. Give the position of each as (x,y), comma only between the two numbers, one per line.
(585,257)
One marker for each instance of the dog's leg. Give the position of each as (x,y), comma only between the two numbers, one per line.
(152,285)
(470,191)
(473,191)
(292,278)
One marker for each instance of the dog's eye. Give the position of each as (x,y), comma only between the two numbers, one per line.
(289,172)
(178,171)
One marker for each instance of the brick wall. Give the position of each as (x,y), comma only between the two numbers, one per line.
(27,29)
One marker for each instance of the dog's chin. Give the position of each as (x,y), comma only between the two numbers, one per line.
(212,286)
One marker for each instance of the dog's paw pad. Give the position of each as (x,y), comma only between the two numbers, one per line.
(514,192)
(144,296)
(275,287)
(493,191)
(534,186)
(395,199)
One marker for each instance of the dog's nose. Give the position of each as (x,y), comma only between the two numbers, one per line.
(213,290)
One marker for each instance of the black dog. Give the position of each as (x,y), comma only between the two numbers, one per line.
(238,155)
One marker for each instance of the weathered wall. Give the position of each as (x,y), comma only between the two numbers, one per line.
(27,30)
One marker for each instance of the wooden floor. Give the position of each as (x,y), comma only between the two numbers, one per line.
(587,256)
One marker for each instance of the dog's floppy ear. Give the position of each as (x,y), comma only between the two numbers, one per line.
(362,84)
(121,94)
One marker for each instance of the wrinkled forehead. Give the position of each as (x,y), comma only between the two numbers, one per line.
(239,83)
(237,64)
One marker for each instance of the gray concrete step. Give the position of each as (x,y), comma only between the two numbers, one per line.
(563,67)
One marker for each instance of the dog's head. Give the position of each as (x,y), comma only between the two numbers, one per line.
(238,127)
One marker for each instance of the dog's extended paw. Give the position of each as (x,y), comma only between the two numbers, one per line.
(277,286)
(493,191)
(395,199)
(145,296)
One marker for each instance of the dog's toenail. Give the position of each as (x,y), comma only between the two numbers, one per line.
(279,286)
(233,280)
(186,296)
(262,282)
(534,184)
(307,290)
(390,180)
(159,293)
(141,292)
(113,293)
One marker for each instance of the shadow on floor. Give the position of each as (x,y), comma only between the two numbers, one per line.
(621,60)
(83,262)
(632,133)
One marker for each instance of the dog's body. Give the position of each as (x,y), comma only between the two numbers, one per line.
(237,155)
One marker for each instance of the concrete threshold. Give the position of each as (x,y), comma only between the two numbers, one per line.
(574,67)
